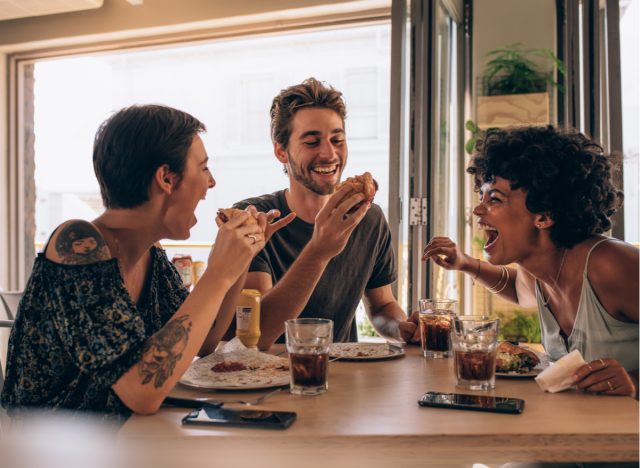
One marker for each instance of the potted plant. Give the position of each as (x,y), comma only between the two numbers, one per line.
(515,88)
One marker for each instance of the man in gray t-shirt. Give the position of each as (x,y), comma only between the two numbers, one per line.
(337,250)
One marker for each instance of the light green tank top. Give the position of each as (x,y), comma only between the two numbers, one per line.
(596,334)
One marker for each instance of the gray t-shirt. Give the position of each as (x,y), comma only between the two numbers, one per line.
(367,262)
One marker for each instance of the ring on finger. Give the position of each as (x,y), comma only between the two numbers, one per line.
(610,386)
(602,363)
(253,238)
(590,368)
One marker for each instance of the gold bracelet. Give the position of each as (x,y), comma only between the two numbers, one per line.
(505,282)
(495,286)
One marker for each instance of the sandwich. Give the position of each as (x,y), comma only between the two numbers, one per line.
(361,183)
(364,183)
(225,214)
(512,358)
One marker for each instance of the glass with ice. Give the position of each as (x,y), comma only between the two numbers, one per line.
(308,342)
(475,340)
(435,326)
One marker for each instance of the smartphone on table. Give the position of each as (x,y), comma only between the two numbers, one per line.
(211,415)
(493,404)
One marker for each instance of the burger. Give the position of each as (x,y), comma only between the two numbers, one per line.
(364,183)
(225,214)
(512,358)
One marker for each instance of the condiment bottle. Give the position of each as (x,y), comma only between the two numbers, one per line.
(248,317)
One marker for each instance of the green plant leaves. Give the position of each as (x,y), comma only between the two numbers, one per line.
(511,71)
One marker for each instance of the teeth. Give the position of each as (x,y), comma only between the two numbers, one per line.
(325,169)
(486,227)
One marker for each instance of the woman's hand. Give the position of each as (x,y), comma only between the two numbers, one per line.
(235,246)
(446,253)
(605,376)
(266,223)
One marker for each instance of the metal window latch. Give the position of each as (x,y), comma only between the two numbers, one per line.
(417,211)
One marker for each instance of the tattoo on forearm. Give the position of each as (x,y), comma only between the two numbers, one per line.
(163,350)
(80,243)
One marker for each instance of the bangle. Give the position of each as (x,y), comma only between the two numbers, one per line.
(506,281)
(495,286)
(474,278)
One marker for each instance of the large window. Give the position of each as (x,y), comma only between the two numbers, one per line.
(228,84)
(630,77)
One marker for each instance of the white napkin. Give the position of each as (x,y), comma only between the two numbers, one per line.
(230,346)
(559,376)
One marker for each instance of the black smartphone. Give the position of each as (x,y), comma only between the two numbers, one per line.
(494,404)
(211,415)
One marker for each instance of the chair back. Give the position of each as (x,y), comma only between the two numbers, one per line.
(10,301)
(5,329)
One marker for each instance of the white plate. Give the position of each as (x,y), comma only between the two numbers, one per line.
(263,371)
(365,351)
(519,375)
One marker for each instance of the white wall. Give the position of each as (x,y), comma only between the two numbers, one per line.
(497,23)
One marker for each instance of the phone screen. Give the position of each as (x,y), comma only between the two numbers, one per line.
(250,418)
(472,402)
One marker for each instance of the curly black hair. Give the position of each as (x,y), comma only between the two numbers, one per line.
(563,173)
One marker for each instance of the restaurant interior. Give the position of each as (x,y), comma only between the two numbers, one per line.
(418,80)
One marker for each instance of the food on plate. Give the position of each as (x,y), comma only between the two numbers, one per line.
(361,183)
(239,369)
(228,367)
(512,358)
(362,350)
(225,214)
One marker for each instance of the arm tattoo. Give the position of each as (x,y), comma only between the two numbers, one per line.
(163,350)
(79,243)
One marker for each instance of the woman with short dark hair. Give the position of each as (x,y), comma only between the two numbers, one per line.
(105,324)
(547,197)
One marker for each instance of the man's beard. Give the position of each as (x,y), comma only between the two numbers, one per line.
(306,180)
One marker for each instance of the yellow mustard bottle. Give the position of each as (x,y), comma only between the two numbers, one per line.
(248,317)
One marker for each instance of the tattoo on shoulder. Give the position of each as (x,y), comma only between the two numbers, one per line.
(163,350)
(80,243)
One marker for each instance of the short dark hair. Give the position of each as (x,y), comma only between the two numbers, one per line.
(308,94)
(563,173)
(133,143)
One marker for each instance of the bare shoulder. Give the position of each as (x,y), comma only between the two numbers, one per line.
(77,242)
(613,274)
(612,261)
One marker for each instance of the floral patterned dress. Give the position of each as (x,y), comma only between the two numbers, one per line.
(78,331)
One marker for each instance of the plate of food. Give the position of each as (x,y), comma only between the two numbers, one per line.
(365,351)
(247,369)
(516,362)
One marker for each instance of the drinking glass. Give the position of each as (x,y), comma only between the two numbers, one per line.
(435,326)
(308,341)
(475,341)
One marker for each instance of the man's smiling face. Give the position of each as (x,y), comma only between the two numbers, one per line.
(317,151)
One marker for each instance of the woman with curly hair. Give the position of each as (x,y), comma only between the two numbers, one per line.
(547,197)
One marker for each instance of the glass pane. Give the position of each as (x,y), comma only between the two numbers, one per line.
(228,85)
(445,176)
(630,76)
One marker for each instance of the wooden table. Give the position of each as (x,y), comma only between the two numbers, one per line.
(370,417)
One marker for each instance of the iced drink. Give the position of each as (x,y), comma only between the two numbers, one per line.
(308,342)
(435,326)
(475,340)
(308,370)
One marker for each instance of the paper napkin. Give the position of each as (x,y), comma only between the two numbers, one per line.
(559,376)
